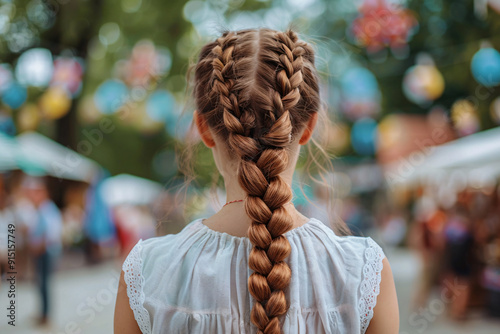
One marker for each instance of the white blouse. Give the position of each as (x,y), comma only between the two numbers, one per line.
(195,281)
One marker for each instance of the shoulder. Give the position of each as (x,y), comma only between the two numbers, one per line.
(362,259)
(148,259)
(359,244)
(354,249)
(368,259)
(146,253)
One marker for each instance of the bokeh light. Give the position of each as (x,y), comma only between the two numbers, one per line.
(364,136)
(35,67)
(110,96)
(485,66)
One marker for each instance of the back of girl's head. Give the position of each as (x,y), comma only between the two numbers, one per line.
(257,89)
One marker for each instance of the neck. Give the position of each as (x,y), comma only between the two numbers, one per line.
(233,219)
(233,190)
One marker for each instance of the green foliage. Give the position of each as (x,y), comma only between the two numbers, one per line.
(448,30)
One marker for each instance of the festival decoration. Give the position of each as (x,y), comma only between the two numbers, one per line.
(485,66)
(360,94)
(55,102)
(423,82)
(14,95)
(161,106)
(464,117)
(68,74)
(364,135)
(381,24)
(146,63)
(110,96)
(28,118)
(7,125)
(389,132)
(35,67)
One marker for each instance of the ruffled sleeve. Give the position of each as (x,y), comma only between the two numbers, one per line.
(370,283)
(132,270)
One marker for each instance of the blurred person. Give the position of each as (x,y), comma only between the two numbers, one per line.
(459,256)
(488,237)
(25,218)
(98,225)
(44,238)
(133,223)
(72,232)
(258,260)
(394,229)
(491,277)
(73,214)
(426,237)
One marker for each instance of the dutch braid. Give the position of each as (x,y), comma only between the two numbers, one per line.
(271,274)
(256,117)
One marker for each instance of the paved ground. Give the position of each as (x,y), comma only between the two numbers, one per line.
(84,302)
(433,319)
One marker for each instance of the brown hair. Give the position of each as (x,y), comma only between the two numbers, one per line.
(257,89)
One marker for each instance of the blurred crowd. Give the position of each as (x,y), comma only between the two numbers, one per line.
(82,226)
(62,224)
(459,246)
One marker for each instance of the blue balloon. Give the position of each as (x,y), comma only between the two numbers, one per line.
(359,83)
(14,95)
(178,125)
(110,95)
(485,67)
(7,125)
(364,135)
(161,106)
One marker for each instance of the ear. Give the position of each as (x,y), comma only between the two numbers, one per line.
(308,131)
(203,129)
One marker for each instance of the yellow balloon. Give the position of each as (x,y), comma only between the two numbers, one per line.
(464,117)
(28,118)
(389,132)
(431,80)
(55,103)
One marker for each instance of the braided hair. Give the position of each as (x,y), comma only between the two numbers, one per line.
(257,89)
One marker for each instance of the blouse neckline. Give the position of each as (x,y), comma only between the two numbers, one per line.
(295,230)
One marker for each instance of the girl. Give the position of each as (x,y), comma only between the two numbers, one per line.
(258,265)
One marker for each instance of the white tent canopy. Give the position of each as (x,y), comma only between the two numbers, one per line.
(55,159)
(8,149)
(477,156)
(129,189)
(472,151)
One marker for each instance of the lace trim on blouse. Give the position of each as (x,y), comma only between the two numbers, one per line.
(132,269)
(370,285)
